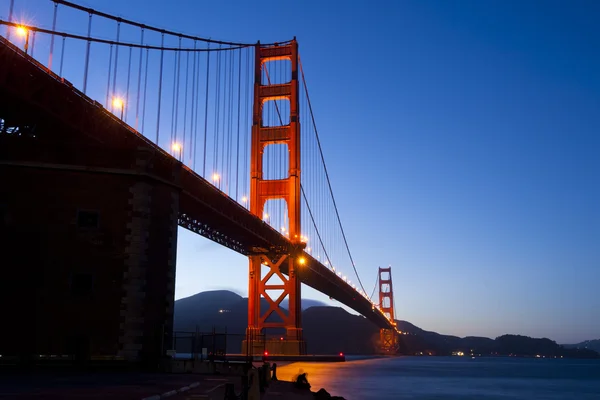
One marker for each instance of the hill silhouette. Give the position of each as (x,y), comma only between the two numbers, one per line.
(329,330)
(588,344)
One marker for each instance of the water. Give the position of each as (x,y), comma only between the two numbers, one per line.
(454,378)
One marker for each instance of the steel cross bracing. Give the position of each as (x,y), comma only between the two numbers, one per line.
(31,89)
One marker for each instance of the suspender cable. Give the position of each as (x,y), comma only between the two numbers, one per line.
(237,150)
(32,42)
(62,57)
(52,38)
(375,287)
(87,52)
(114,90)
(160,74)
(206,113)
(314,223)
(197,96)
(173,102)
(225,126)
(185,102)
(229,123)
(137,101)
(108,78)
(192,113)
(248,125)
(126,105)
(327,176)
(216,135)
(10,13)
(145,90)
(175,132)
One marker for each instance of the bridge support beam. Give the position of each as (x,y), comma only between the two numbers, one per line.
(260,291)
(265,311)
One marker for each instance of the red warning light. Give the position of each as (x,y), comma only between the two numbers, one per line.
(280,338)
(266,353)
(341,354)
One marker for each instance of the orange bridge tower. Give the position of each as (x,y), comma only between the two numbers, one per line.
(388,338)
(288,189)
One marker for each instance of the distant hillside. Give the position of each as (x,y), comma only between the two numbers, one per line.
(588,344)
(333,330)
(219,309)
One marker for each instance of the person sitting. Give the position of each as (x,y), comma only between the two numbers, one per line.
(302,382)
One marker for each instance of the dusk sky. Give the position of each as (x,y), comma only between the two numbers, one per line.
(463,143)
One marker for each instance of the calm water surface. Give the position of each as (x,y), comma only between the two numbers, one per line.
(453,378)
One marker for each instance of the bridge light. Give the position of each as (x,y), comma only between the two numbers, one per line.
(339,274)
(308,249)
(21,31)
(24,32)
(265,216)
(216,177)
(118,104)
(283,229)
(302,260)
(244,199)
(178,149)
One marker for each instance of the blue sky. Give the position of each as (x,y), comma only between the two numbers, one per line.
(462,139)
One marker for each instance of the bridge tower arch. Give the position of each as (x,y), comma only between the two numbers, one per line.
(388,337)
(262,190)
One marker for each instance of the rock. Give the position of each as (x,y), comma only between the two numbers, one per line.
(322,395)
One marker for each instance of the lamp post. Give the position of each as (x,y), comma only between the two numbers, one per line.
(24,32)
(119,104)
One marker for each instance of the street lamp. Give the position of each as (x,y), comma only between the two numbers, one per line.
(178,148)
(118,103)
(24,32)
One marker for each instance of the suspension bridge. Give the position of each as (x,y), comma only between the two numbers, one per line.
(151,129)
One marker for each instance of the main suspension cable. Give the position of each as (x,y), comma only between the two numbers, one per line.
(160,30)
(327,175)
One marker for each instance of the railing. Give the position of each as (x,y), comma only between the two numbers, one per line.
(215,346)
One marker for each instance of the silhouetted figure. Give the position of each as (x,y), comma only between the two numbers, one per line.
(274,369)
(302,382)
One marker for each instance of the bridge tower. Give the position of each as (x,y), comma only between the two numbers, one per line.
(388,337)
(287,189)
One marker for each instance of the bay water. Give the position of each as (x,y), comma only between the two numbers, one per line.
(453,378)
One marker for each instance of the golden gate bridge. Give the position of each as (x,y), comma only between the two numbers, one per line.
(214,136)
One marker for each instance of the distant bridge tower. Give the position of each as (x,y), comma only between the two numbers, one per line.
(388,338)
(287,189)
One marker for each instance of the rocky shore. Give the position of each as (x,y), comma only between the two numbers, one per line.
(278,390)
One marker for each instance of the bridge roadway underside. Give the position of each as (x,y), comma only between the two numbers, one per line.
(64,132)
